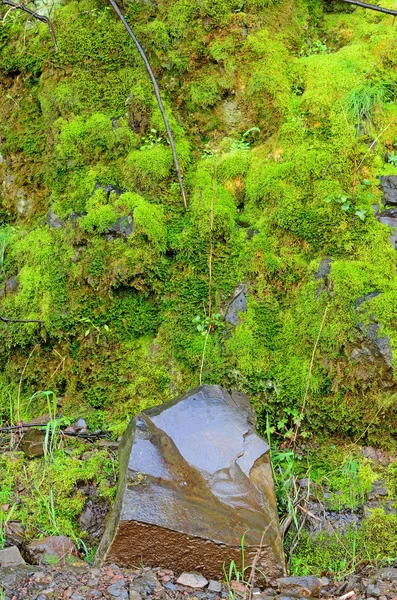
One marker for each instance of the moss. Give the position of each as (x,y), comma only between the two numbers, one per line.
(52,500)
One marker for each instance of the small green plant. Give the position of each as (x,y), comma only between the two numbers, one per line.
(247,139)
(92,327)
(234,575)
(392,159)
(346,205)
(364,99)
(207,324)
(317,47)
(151,139)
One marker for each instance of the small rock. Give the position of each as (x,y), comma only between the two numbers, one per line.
(324,581)
(80,424)
(59,546)
(118,590)
(170,586)
(215,586)
(303,586)
(33,443)
(193,580)
(373,591)
(387,573)
(134,595)
(11,557)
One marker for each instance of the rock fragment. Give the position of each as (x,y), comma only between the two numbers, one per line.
(58,546)
(11,557)
(301,586)
(192,580)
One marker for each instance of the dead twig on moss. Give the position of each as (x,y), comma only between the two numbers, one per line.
(158,97)
(387,11)
(35,15)
(7,320)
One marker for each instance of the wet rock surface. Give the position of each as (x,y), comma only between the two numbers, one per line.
(237,305)
(388,184)
(194,476)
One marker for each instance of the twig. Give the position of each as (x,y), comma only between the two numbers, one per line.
(35,15)
(346,596)
(20,381)
(296,538)
(251,579)
(372,145)
(158,97)
(307,512)
(203,355)
(309,376)
(387,11)
(7,320)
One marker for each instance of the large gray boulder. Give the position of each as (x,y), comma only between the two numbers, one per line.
(194,477)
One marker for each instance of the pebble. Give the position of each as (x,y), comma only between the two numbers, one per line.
(118,590)
(192,580)
(215,586)
(134,595)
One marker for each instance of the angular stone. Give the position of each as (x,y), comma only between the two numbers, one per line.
(194,477)
(11,557)
(215,586)
(238,304)
(300,586)
(192,580)
(388,184)
(58,546)
(387,573)
(33,443)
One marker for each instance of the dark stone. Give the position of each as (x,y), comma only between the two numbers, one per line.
(123,227)
(238,304)
(194,476)
(93,517)
(324,269)
(118,590)
(301,586)
(366,298)
(108,189)
(371,331)
(389,217)
(10,286)
(33,443)
(54,221)
(388,184)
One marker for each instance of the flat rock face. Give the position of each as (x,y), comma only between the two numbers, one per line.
(194,477)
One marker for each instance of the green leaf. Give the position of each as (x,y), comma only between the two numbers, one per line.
(345,206)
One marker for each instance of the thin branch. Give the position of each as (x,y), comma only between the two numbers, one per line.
(35,15)
(158,97)
(387,11)
(6,320)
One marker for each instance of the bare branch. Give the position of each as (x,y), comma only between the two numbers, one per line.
(35,15)
(158,97)
(6,320)
(387,11)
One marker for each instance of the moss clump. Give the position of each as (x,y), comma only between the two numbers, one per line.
(52,499)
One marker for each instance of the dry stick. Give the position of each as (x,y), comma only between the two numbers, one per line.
(20,382)
(387,11)
(158,97)
(6,320)
(372,145)
(35,15)
(251,579)
(209,274)
(309,376)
